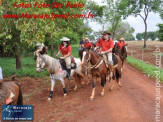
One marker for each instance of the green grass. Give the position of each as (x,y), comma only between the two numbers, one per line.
(145,68)
(157,54)
(28,65)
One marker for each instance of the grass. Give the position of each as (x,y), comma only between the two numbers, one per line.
(8,65)
(145,68)
(157,54)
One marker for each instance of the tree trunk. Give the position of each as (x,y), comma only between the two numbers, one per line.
(18,61)
(145,34)
(52,48)
(18,58)
(2,50)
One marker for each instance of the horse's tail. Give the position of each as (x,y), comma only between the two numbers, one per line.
(20,97)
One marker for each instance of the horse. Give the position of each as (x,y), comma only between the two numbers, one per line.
(100,70)
(122,53)
(54,68)
(10,89)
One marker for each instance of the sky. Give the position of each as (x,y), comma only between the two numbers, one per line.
(136,22)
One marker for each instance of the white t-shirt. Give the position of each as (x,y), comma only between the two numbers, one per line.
(1,76)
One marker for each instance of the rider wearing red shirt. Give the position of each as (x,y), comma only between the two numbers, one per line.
(121,43)
(87,44)
(106,44)
(65,49)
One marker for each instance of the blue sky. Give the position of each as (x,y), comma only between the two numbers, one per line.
(135,22)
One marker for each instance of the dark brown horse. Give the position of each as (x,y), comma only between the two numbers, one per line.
(100,70)
(10,90)
(122,53)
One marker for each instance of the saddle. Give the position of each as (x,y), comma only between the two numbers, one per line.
(63,63)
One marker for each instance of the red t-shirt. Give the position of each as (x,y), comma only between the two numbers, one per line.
(65,50)
(87,44)
(120,44)
(106,45)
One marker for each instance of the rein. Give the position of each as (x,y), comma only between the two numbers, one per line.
(94,66)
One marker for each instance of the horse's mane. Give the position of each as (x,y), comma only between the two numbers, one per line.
(53,64)
(96,53)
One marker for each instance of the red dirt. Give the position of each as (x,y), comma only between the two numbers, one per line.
(134,101)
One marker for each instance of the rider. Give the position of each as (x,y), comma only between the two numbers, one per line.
(87,44)
(106,44)
(121,43)
(81,44)
(65,49)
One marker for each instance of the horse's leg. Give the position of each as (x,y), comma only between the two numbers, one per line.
(119,82)
(89,77)
(112,81)
(52,87)
(76,81)
(103,82)
(63,85)
(93,90)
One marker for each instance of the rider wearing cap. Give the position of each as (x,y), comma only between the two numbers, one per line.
(121,43)
(65,49)
(106,45)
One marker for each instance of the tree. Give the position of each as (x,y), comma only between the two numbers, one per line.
(138,7)
(160,32)
(19,34)
(139,36)
(123,30)
(150,35)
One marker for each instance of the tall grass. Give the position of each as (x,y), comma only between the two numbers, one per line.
(28,65)
(145,68)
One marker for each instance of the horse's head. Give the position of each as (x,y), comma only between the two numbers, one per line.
(116,49)
(84,53)
(40,60)
(124,52)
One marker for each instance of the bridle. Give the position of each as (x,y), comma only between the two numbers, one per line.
(93,66)
(40,62)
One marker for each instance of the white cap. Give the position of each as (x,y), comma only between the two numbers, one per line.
(39,45)
(65,39)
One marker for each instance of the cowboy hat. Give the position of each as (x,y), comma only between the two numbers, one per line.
(122,39)
(106,32)
(65,39)
(86,38)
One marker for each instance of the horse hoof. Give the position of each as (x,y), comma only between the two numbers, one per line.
(49,99)
(91,99)
(65,95)
(102,94)
(75,88)
(111,89)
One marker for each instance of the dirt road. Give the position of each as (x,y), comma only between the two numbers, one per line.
(133,102)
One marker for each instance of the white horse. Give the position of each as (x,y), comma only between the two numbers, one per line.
(54,67)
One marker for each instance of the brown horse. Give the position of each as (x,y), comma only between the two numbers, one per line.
(100,70)
(122,53)
(10,90)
